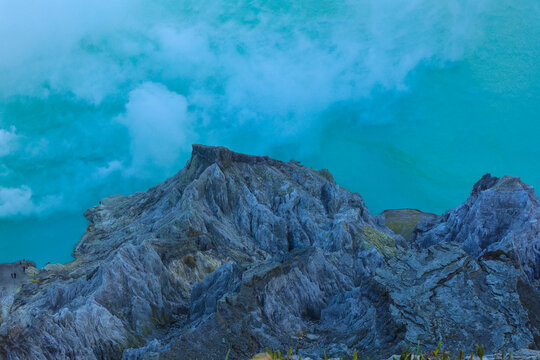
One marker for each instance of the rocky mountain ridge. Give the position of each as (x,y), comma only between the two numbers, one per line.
(244,252)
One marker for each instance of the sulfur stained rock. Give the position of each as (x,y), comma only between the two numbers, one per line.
(261,356)
(404,221)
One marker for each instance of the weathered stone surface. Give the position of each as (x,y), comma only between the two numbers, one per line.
(443,294)
(206,294)
(244,252)
(501,218)
(502,215)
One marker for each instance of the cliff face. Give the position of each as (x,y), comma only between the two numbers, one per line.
(501,216)
(247,252)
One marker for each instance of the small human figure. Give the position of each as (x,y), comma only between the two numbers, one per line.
(14,275)
(11,275)
(23,268)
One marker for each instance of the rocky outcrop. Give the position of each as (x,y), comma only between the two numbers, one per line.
(499,220)
(443,294)
(244,252)
(501,216)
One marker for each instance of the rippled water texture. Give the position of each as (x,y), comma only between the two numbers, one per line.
(407,102)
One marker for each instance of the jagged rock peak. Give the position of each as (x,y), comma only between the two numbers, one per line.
(222,155)
(507,183)
(484,183)
(500,215)
(203,156)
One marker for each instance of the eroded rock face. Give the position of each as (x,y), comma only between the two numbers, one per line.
(501,216)
(443,293)
(244,252)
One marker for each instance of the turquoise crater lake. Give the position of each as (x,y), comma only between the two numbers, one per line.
(406,102)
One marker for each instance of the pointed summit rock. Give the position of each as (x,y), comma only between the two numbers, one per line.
(501,216)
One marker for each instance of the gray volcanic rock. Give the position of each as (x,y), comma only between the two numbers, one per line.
(244,252)
(443,294)
(205,295)
(500,216)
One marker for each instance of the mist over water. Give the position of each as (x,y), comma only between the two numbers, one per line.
(406,102)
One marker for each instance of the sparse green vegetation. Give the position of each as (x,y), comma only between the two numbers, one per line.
(480,351)
(384,243)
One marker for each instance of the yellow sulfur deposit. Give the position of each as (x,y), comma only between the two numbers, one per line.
(262,356)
